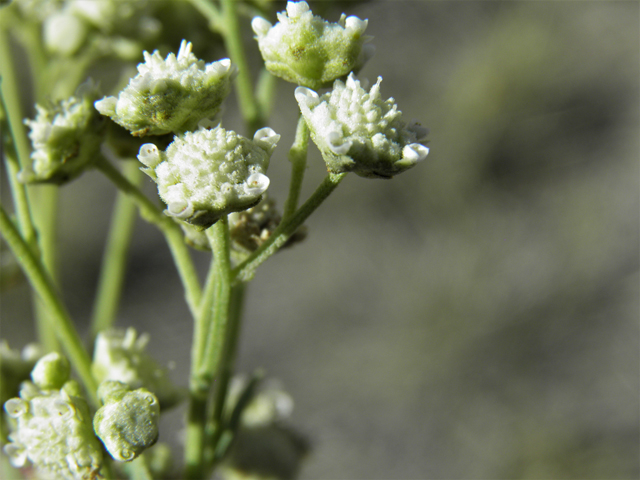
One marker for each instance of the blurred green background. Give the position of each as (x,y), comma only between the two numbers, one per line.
(474,318)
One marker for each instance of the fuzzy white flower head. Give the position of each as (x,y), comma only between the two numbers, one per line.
(120,355)
(305,49)
(53,425)
(209,173)
(170,95)
(66,137)
(127,423)
(357,131)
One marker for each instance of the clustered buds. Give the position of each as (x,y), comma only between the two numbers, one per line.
(66,137)
(127,423)
(357,131)
(209,173)
(172,95)
(53,425)
(306,49)
(250,228)
(120,355)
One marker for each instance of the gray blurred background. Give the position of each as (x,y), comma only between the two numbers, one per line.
(476,317)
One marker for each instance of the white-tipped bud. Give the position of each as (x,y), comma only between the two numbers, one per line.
(356,25)
(15,407)
(306,96)
(149,155)
(257,184)
(337,143)
(266,138)
(260,26)
(297,9)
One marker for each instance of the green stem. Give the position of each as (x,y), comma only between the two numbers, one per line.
(265,92)
(244,87)
(114,260)
(43,285)
(225,370)
(246,269)
(203,371)
(172,232)
(298,159)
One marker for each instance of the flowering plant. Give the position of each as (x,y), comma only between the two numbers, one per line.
(213,183)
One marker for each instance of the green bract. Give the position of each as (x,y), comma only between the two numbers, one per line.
(170,96)
(209,173)
(53,425)
(358,132)
(66,137)
(127,423)
(305,49)
(121,356)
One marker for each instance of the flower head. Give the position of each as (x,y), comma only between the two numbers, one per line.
(53,425)
(306,49)
(120,355)
(66,137)
(127,423)
(172,95)
(210,172)
(357,131)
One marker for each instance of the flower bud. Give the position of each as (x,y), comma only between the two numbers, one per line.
(127,423)
(66,137)
(209,173)
(170,95)
(53,426)
(305,49)
(51,371)
(358,132)
(120,356)
(250,228)
(64,33)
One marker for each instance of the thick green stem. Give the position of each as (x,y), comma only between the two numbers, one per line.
(172,232)
(43,285)
(225,371)
(298,159)
(246,269)
(114,260)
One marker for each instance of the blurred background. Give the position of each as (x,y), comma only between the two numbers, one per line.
(474,318)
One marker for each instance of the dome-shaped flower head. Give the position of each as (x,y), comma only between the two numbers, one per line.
(53,425)
(305,49)
(357,131)
(209,173)
(120,355)
(170,96)
(66,137)
(127,423)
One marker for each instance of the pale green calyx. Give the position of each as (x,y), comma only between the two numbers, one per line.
(172,95)
(357,131)
(127,423)
(66,137)
(53,425)
(305,49)
(209,173)
(120,355)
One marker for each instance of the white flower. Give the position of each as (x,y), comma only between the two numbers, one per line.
(305,49)
(170,95)
(357,131)
(210,172)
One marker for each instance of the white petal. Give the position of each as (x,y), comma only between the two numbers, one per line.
(296,9)
(413,153)
(355,24)
(306,96)
(266,138)
(260,26)
(149,155)
(257,184)
(337,144)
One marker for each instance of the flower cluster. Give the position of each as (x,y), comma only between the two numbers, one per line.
(305,49)
(66,137)
(127,423)
(172,95)
(210,172)
(120,355)
(53,425)
(357,131)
